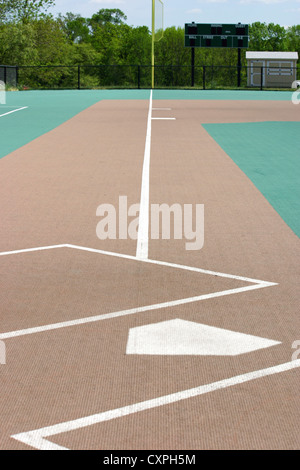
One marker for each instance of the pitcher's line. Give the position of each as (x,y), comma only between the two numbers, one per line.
(143,232)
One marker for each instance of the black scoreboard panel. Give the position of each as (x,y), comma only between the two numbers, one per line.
(216,35)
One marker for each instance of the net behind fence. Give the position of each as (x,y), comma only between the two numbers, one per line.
(158,20)
(9,75)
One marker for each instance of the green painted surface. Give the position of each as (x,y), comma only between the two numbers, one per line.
(269,154)
(47,110)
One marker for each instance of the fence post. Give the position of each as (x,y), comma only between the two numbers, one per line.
(78,82)
(139,76)
(203,77)
(261,77)
(193,65)
(17,76)
(239,67)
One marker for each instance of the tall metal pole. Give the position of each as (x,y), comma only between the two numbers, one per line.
(153,34)
(193,65)
(239,67)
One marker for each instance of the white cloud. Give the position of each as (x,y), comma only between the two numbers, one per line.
(108,2)
(194,10)
(212,1)
(266,2)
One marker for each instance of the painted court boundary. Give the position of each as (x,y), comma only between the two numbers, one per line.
(143,236)
(38,438)
(255,284)
(13,111)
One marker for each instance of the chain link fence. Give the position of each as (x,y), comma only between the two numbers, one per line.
(139,77)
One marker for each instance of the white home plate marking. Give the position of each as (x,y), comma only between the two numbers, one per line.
(181,337)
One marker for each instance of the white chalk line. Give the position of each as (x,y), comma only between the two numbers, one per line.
(255,284)
(132,311)
(37,438)
(143,230)
(28,250)
(13,111)
(142,249)
(163,119)
(134,258)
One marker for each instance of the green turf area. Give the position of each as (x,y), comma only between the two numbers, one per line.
(269,154)
(47,110)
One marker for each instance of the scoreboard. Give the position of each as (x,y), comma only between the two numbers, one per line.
(216,35)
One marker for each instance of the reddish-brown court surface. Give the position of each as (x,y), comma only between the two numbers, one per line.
(67,312)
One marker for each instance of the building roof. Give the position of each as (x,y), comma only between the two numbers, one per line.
(271,55)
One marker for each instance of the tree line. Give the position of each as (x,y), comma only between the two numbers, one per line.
(31,36)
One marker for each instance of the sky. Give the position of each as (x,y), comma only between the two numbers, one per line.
(179,12)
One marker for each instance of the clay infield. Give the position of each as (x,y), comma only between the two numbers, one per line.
(69,300)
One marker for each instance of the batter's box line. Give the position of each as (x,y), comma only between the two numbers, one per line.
(255,284)
(13,111)
(37,437)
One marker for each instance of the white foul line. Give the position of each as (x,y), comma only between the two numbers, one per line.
(143,232)
(37,437)
(163,119)
(256,284)
(28,250)
(14,111)
(133,258)
(162,263)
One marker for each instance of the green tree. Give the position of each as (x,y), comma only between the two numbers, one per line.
(75,27)
(18,44)
(258,35)
(50,42)
(23,10)
(137,49)
(276,40)
(107,16)
(267,37)
(293,39)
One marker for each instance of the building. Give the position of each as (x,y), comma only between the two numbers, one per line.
(271,69)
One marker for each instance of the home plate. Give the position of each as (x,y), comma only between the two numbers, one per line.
(181,337)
